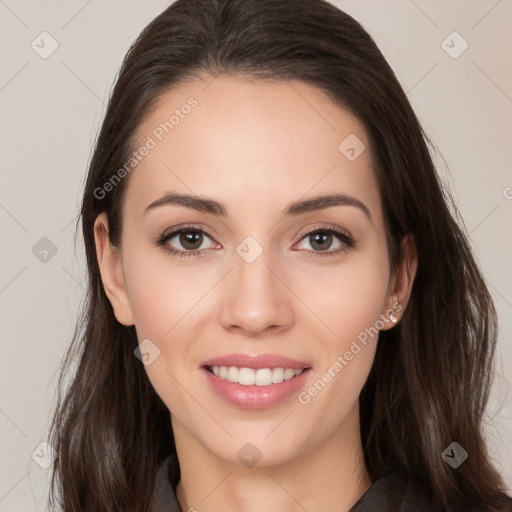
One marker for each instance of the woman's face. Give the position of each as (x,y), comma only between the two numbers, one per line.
(260,282)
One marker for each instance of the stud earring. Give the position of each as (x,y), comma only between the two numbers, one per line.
(392,316)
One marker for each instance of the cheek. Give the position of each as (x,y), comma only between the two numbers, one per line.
(350,301)
(162,294)
(165,302)
(347,298)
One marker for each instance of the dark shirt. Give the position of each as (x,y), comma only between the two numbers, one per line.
(391,492)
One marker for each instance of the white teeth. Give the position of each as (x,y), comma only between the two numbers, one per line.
(246,377)
(289,373)
(232,374)
(277,375)
(263,377)
(250,377)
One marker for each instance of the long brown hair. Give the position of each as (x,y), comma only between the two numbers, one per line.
(430,380)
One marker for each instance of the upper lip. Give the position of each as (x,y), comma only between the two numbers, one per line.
(256,362)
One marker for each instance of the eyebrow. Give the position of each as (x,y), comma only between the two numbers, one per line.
(204,204)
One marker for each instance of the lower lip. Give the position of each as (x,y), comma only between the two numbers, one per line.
(255,397)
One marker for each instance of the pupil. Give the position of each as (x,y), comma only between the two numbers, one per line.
(323,236)
(190,237)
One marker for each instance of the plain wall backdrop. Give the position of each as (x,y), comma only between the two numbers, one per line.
(59,62)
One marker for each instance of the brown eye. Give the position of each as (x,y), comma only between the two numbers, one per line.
(186,241)
(190,240)
(321,240)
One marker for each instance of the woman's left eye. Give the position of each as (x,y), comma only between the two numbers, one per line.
(322,237)
(191,239)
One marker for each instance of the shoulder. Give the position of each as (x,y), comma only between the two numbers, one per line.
(167,476)
(396,491)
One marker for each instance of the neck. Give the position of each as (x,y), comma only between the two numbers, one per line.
(329,476)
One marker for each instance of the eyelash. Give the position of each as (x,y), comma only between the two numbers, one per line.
(347,241)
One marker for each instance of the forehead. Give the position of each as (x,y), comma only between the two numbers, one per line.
(254,145)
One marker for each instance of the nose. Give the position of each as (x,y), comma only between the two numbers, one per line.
(256,297)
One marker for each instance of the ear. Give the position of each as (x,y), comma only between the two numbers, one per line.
(110,264)
(400,285)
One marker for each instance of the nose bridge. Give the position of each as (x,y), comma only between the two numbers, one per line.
(256,298)
(252,267)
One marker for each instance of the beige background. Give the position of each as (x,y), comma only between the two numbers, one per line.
(51,109)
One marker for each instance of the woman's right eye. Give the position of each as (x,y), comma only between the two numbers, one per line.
(186,237)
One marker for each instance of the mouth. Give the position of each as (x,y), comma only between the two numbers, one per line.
(254,377)
(251,388)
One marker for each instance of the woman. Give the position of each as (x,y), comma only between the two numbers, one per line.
(271,323)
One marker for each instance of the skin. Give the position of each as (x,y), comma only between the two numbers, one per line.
(256,147)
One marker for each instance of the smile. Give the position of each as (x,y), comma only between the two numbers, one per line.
(256,389)
(258,377)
